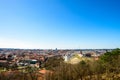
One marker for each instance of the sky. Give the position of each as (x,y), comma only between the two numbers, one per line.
(62,24)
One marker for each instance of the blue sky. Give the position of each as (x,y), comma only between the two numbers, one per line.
(62,24)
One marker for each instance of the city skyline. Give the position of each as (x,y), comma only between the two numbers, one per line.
(62,24)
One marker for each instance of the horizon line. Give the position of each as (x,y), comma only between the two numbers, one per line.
(58,48)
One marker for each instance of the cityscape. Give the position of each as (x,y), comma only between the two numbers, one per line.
(12,60)
(59,40)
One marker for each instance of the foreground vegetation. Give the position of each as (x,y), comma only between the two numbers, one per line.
(106,68)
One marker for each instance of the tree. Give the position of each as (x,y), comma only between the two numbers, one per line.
(111,63)
(53,62)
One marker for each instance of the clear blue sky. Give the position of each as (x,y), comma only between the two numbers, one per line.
(60,24)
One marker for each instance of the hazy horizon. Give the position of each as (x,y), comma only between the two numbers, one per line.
(62,24)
